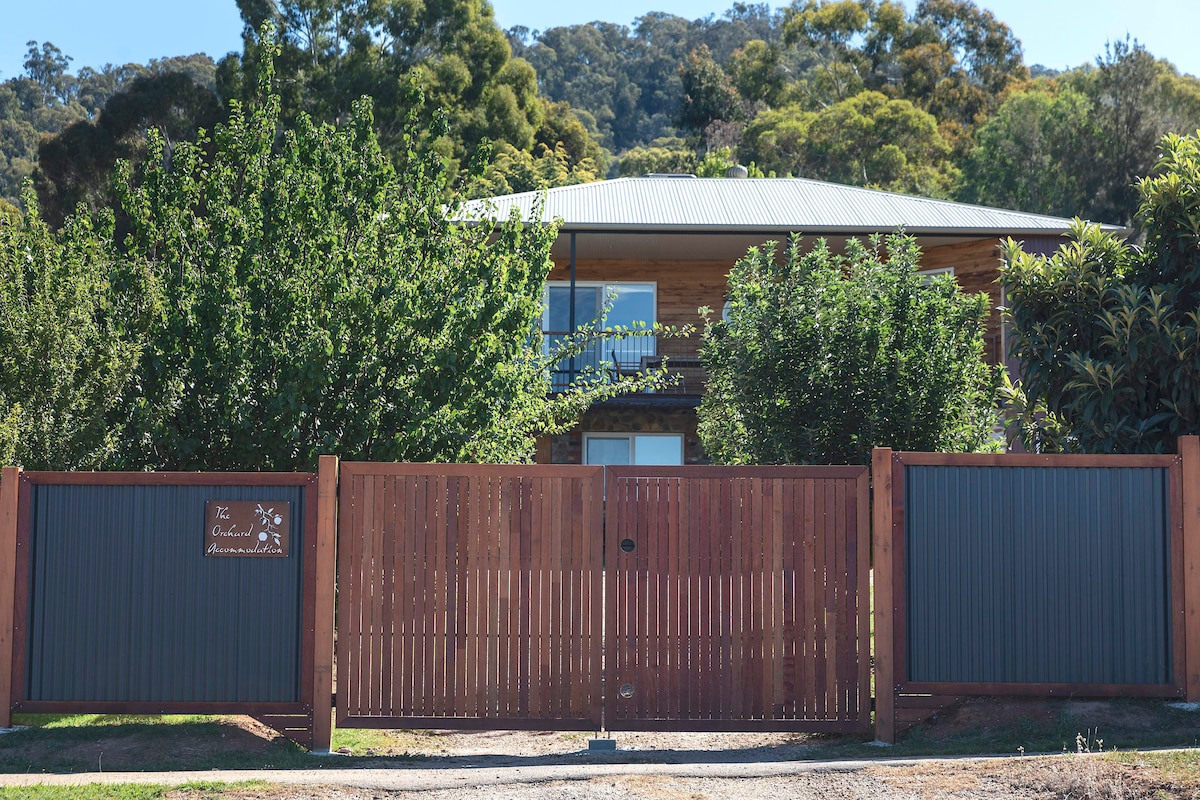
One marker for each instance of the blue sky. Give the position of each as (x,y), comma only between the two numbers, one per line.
(1056,33)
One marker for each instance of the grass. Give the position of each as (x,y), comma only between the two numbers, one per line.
(1182,766)
(367,742)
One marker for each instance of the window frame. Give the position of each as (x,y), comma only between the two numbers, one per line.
(603,286)
(928,276)
(631,437)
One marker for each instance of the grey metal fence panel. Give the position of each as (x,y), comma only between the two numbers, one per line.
(120,584)
(1038,574)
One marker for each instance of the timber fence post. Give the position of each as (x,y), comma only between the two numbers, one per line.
(327,498)
(1189,450)
(884,583)
(9,482)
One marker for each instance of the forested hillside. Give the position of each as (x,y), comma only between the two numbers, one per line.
(933,98)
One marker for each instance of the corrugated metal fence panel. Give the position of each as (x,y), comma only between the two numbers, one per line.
(1038,574)
(735,598)
(468,593)
(120,583)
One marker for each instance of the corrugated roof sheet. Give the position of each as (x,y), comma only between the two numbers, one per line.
(756,204)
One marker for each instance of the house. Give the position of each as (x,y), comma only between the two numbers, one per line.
(662,246)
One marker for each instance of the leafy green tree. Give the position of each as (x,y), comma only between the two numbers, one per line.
(758,73)
(514,171)
(665,155)
(72,320)
(47,69)
(708,94)
(717,163)
(317,300)
(1108,334)
(46,99)
(76,166)
(1077,144)
(1135,99)
(333,52)
(1035,154)
(18,145)
(826,356)
(628,78)
(830,30)
(867,140)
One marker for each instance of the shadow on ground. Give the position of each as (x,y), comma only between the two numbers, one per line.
(90,743)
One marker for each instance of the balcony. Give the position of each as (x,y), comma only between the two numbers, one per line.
(631,355)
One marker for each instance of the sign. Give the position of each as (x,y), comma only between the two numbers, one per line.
(247,528)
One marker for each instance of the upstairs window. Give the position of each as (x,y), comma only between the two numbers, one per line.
(630,305)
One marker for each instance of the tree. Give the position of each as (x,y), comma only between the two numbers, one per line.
(1035,154)
(46,100)
(1134,102)
(666,155)
(317,300)
(708,94)
(72,318)
(47,68)
(333,52)
(758,73)
(830,30)
(867,140)
(76,166)
(1108,334)
(826,356)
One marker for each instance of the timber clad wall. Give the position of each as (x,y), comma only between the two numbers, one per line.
(976,268)
(685,286)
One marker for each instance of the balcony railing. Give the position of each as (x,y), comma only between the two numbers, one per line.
(628,355)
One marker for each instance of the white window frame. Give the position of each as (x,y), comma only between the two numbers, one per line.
(631,437)
(927,276)
(603,285)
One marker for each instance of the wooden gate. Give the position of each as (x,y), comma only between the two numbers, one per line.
(737,598)
(469,596)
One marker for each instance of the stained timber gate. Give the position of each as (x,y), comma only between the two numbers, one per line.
(469,596)
(737,598)
(703,598)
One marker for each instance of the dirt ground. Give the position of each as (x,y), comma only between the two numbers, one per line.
(670,766)
(1059,777)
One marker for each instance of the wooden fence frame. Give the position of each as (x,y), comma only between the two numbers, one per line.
(305,720)
(891,677)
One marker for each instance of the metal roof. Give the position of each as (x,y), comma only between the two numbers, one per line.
(684,203)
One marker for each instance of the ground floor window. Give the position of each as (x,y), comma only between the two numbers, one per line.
(642,449)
